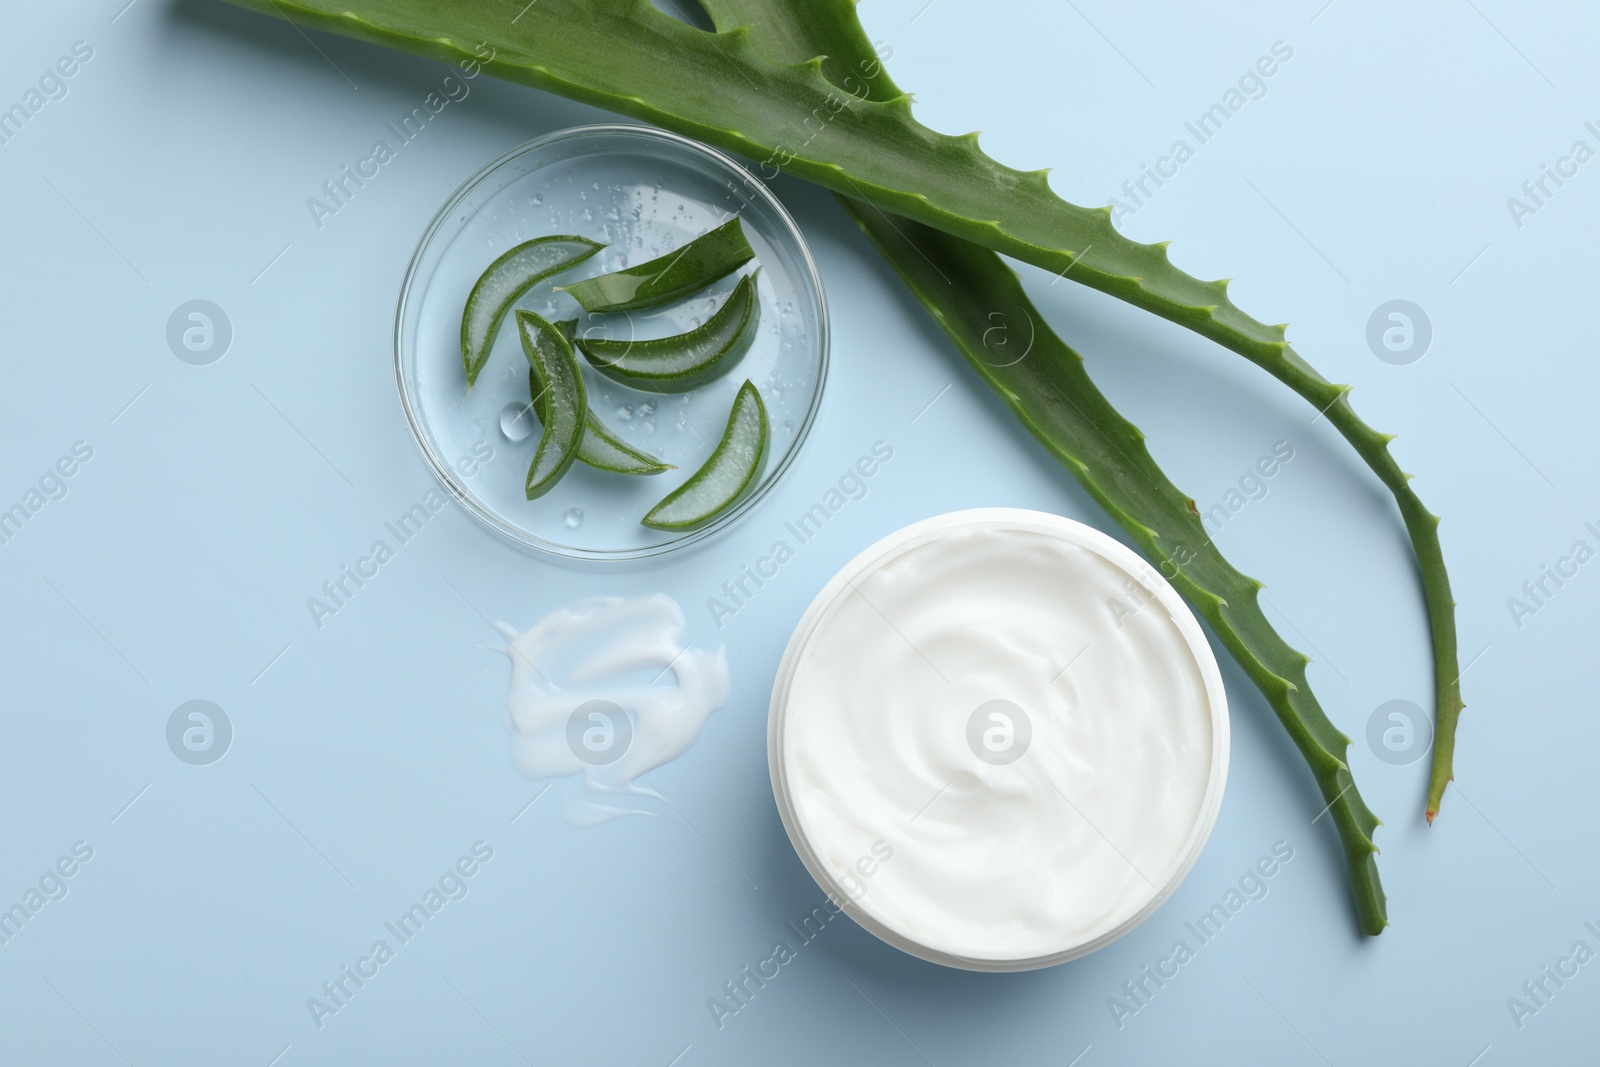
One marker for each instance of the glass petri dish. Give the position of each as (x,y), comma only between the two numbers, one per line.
(642,192)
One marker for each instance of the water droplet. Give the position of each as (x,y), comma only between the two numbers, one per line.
(624,412)
(573,518)
(538,198)
(517,421)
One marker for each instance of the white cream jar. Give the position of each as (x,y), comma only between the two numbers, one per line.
(998,739)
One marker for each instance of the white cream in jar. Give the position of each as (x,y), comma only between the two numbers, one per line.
(1028,717)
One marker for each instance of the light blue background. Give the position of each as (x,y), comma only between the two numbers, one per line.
(372,753)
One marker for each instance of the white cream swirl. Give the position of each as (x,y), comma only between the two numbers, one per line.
(1036,833)
(587,696)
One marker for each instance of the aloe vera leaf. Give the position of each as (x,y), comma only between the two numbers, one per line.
(507,278)
(794,31)
(626,56)
(598,447)
(731,470)
(566,402)
(683,361)
(968,289)
(686,270)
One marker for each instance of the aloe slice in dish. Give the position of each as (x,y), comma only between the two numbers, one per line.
(732,470)
(564,398)
(598,447)
(678,273)
(683,361)
(506,279)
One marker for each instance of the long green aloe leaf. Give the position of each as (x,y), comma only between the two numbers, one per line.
(969,291)
(627,56)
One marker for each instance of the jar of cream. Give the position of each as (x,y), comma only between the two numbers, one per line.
(998,739)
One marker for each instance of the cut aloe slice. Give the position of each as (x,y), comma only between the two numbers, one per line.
(506,279)
(683,361)
(564,398)
(734,467)
(692,267)
(599,447)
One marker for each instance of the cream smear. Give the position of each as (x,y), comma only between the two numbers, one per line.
(1026,712)
(606,688)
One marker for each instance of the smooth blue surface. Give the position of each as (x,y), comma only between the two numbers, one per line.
(369,755)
